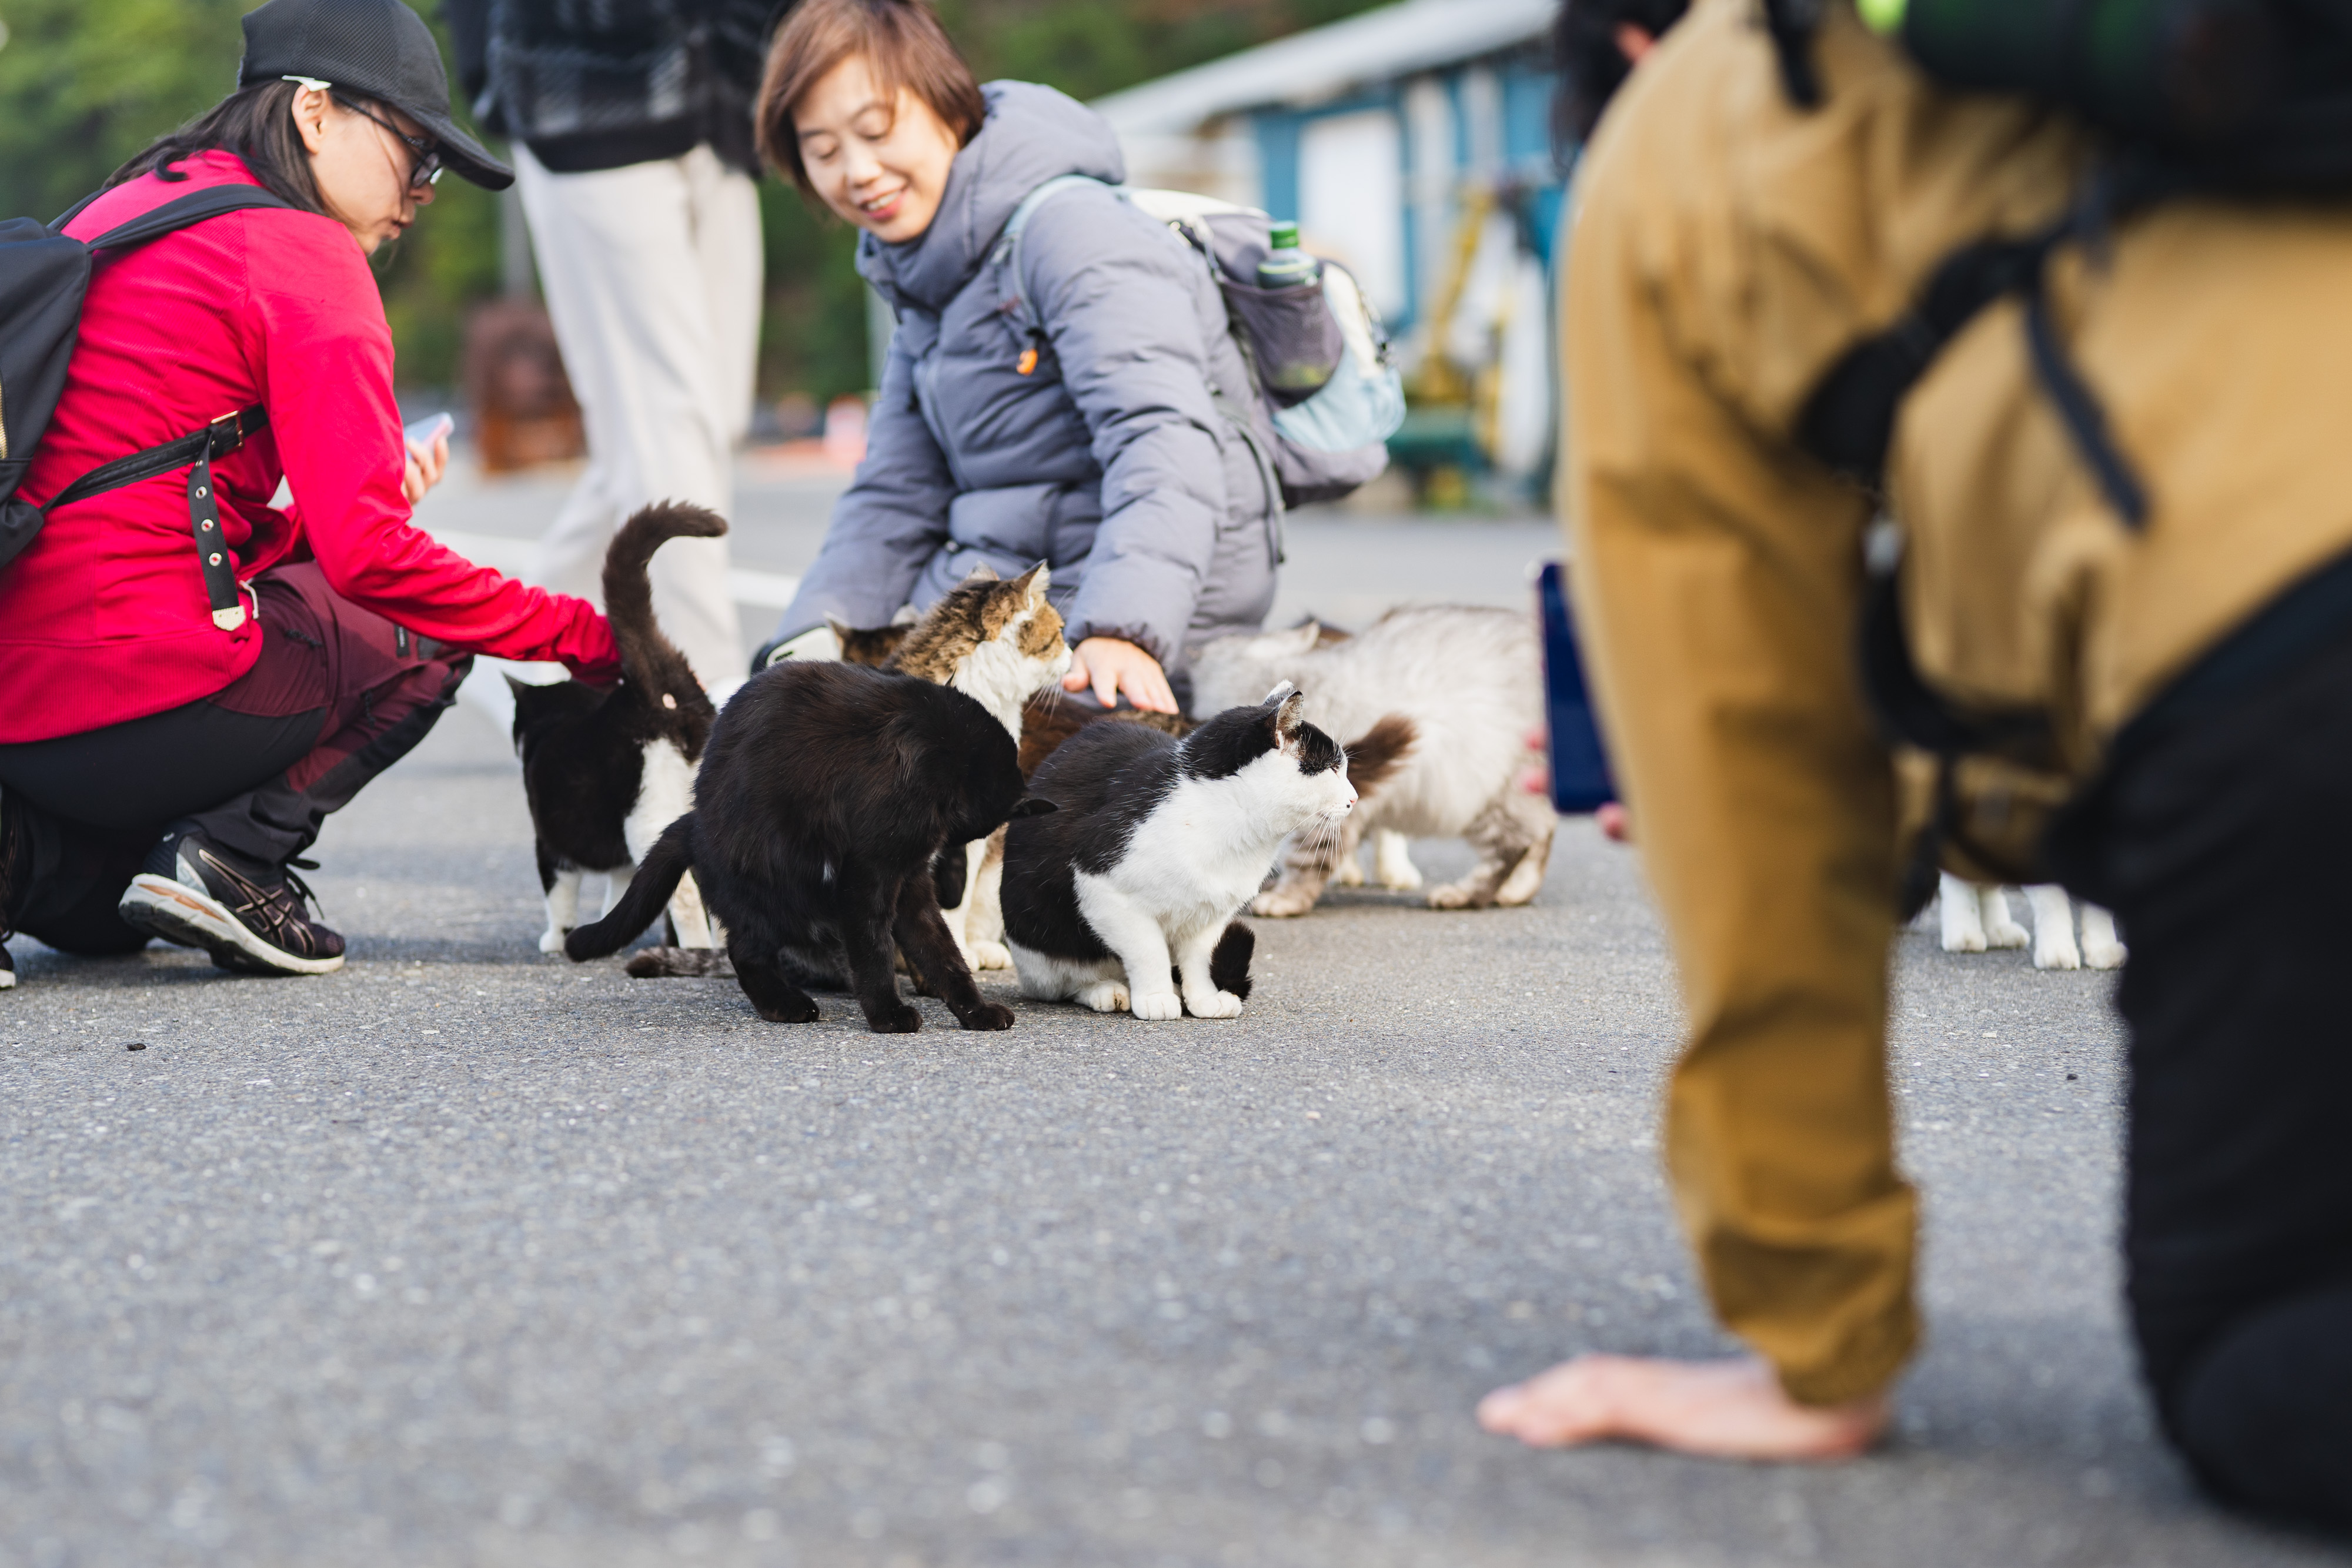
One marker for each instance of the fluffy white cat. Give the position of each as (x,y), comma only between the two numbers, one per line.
(1470,681)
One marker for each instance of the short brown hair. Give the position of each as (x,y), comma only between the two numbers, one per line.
(904,45)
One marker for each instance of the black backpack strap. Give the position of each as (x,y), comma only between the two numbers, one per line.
(1849,420)
(175,215)
(1791,25)
(218,439)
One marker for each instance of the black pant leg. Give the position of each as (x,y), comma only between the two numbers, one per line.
(2224,846)
(66,878)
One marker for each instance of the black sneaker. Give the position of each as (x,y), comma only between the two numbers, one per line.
(195,893)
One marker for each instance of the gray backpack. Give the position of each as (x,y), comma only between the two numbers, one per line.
(1318,355)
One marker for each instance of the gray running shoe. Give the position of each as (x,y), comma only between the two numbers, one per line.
(198,894)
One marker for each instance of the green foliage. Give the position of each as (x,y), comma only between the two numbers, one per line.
(87,83)
(813,339)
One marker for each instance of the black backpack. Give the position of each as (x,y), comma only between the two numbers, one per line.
(43,275)
(2231,99)
(2248,98)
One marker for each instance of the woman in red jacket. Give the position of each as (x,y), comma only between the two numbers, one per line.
(194,677)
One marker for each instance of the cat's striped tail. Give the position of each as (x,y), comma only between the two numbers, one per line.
(657,877)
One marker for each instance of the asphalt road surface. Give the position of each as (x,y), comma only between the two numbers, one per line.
(469,1256)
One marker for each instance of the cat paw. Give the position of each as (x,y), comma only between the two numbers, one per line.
(2107,955)
(988,1015)
(2057,954)
(2005,933)
(803,1011)
(550,940)
(898,1018)
(990,956)
(1393,862)
(1168,1005)
(1103,996)
(1348,873)
(1459,896)
(1216,1005)
(1282,903)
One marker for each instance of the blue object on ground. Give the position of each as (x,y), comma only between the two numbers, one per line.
(1580,780)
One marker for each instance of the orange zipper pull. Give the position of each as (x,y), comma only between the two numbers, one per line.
(1028,360)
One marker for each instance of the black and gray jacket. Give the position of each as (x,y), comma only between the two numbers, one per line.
(597,84)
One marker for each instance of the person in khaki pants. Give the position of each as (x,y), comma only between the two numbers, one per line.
(1731,247)
(634,161)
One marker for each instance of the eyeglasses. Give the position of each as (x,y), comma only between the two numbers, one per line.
(425,153)
(424,169)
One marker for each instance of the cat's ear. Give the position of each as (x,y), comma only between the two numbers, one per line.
(1034,582)
(1303,638)
(1289,706)
(1033,806)
(841,628)
(984,572)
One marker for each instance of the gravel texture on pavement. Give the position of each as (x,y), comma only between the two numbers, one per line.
(468,1256)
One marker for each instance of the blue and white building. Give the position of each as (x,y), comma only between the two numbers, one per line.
(1412,142)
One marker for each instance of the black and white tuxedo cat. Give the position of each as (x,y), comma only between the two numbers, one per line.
(1129,890)
(606,771)
(826,793)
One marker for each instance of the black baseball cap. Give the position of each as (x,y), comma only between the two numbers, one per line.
(373,48)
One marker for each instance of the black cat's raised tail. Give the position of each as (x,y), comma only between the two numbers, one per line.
(665,865)
(651,659)
(1229,961)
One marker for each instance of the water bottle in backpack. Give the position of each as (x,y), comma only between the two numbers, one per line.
(1317,354)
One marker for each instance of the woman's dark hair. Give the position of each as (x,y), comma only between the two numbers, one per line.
(1590,64)
(256,123)
(904,45)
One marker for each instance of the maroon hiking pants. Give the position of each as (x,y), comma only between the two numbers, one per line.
(339,695)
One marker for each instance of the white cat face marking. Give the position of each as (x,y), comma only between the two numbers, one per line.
(1026,657)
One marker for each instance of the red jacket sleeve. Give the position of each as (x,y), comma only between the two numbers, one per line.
(325,358)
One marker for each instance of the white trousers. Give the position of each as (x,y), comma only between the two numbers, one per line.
(652,274)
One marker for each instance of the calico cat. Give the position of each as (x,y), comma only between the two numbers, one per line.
(605,772)
(1468,681)
(1156,845)
(826,793)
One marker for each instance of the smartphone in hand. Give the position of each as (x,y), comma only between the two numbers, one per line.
(429,429)
(1580,780)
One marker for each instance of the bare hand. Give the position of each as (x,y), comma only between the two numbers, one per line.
(1112,665)
(425,466)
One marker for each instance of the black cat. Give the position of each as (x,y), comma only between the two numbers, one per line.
(606,771)
(826,793)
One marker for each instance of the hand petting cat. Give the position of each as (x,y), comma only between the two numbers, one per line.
(1112,665)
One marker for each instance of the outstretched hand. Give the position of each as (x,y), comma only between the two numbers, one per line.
(1112,665)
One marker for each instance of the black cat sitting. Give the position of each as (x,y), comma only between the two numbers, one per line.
(825,794)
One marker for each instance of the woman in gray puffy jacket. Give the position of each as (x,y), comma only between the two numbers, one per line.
(1097,445)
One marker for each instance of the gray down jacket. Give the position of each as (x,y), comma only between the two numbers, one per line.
(1107,459)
